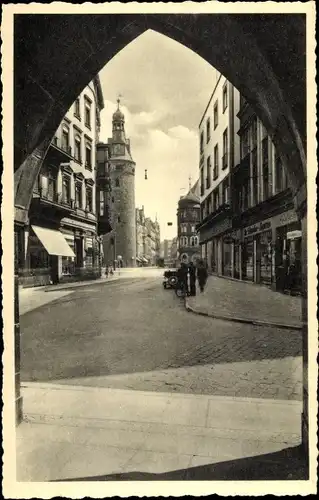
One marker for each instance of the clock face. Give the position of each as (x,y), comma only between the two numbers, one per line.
(118,149)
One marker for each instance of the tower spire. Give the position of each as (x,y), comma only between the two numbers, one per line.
(118,101)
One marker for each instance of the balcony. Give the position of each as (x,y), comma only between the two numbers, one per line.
(63,152)
(50,199)
(225,161)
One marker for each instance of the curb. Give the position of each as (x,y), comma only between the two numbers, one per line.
(242,320)
(75,285)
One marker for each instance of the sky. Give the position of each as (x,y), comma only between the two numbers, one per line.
(165,88)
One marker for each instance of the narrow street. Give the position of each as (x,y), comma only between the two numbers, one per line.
(133,334)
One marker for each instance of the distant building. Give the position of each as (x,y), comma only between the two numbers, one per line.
(188,216)
(147,239)
(61,243)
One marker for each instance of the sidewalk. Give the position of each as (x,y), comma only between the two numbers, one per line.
(244,302)
(73,433)
(32,298)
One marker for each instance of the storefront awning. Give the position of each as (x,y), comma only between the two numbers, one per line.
(144,260)
(53,241)
(138,259)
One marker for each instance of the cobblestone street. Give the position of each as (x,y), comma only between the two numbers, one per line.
(132,334)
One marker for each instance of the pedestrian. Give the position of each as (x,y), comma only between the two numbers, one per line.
(106,271)
(192,279)
(202,275)
(182,277)
(111,271)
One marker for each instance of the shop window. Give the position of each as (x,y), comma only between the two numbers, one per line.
(66,189)
(77,148)
(78,194)
(216,114)
(89,199)
(68,266)
(216,162)
(208,130)
(225,97)
(208,178)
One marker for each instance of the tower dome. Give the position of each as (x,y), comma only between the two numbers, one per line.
(118,115)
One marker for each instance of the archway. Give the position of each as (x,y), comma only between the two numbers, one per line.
(250,51)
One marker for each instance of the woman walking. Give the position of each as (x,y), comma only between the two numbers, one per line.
(202,275)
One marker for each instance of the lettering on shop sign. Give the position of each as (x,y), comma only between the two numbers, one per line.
(257,228)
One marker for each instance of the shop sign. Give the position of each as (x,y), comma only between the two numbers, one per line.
(292,235)
(257,228)
(285,218)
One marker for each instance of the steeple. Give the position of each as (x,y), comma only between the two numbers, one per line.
(118,121)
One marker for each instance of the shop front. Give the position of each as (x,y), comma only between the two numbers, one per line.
(257,252)
(288,252)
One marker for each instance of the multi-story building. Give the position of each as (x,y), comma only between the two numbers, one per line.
(270,242)
(219,151)
(61,239)
(188,216)
(249,229)
(120,244)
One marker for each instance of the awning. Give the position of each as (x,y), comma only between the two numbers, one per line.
(53,241)
(138,259)
(144,260)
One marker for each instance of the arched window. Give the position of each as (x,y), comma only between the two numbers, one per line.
(192,241)
(196,240)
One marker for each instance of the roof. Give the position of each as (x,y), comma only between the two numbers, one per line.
(192,196)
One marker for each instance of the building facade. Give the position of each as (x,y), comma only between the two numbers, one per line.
(219,152)
(249,229)
(147,240)
(120,244)
(61,241)
(188,216)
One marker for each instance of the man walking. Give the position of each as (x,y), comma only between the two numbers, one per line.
(192,279)
(202,275)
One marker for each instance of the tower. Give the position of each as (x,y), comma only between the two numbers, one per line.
(122,167)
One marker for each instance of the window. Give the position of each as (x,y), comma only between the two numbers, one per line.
(281,178)
(113,199)
(196,241)
(118,218)
(117,182)
(208,130)
(66,189)
(215,115)
(89,199)
(193,229)
(254,133)
(216,162)
(78,194)
(209,204)
(87,120)
(77,148)
(244,143)
(88,156)
(202,142)
(192,241)
(255,197)
(266,170)
(225,97)
(209,174)
(216,199)
(225,191)
(77,108)
(225,149)
(202,187)
(65,139)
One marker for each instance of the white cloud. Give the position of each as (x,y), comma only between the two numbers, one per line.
(165,90)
